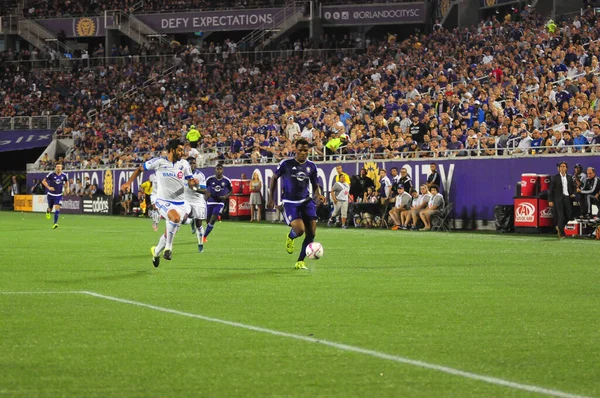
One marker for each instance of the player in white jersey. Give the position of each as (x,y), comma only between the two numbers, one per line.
(171,173)
(195,198)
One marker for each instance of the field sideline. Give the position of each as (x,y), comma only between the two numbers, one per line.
(384,313)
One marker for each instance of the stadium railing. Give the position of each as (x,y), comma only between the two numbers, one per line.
(51,122)
(209,158)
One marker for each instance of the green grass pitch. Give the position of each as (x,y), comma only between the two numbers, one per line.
(523,309)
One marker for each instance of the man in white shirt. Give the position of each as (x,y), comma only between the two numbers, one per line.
(339,195)
(308,132)
(436,203)
(171,173)
(292,129)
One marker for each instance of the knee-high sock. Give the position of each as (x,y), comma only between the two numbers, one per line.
(292,234)
(308,238)
(162,242)
(209,228)
(199,233)
(171,231)
(56,214)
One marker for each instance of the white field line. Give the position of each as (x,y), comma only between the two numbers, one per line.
(339,346)
(345,347)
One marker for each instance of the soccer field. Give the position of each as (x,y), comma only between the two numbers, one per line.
(384,314)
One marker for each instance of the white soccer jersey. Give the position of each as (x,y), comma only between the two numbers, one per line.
(170,178)
(192,196)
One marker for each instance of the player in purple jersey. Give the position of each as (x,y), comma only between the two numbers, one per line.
(55,183)
(300,210)
(218,189)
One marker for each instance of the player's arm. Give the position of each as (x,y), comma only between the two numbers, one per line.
(135,175)
(45,183)
(272,189)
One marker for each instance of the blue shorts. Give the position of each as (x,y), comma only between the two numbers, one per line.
(214,209)
(305,211)
(54,201)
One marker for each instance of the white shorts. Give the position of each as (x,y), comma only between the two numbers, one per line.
(153,198)
(164,206)
(198,210)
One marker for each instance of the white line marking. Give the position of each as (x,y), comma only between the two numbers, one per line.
(65,292)
(344,347)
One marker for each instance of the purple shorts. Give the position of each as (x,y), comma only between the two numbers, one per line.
(54,201)
(305,211)
(214,209)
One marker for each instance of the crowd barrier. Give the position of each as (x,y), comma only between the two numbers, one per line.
(474,186)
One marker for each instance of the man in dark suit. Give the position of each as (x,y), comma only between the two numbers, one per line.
(560,195)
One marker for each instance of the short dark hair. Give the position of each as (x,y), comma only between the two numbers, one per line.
(219,166)
(434,186)
(173,145)
(301,141)
(561,163)
(191,159)
(394,168)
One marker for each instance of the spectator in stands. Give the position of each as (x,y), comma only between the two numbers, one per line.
(434,206)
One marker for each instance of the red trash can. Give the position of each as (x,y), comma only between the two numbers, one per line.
(245,187)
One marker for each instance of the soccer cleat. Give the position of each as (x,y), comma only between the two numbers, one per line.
(204,240)
(289,244)
(55,226)
(300,265)
(395,227)
(155,258)
(200,247)
(47,215)
(168,254)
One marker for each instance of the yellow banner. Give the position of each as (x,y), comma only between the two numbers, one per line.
(24,202)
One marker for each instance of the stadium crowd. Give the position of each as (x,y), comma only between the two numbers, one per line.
(504,87)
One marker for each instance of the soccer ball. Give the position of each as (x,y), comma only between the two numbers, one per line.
(314,251)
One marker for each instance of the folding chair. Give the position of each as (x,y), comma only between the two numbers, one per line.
(440,221)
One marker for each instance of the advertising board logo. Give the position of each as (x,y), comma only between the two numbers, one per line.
(245,206)
(525,212)
(97,205)
(85,27)
(69,204)
(490,3)
(108,182)
(546,213)
(232,205)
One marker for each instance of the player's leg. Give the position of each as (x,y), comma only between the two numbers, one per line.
(293,218)
(394,216)
(56,215)
(309,221)
(50,200)
(214,210)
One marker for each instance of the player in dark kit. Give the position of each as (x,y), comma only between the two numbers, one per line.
(55,183)
(218,188)
(300,210)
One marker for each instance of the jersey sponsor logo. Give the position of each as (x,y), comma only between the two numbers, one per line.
(525,212)
(170,174)
(300,176)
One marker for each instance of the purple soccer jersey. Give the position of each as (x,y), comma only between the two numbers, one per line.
(295,179)
(57,182)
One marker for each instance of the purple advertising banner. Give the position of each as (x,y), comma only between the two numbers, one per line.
(76,27)
(371,14)
(474,186)
(71,205)
(213,21)
(16,140)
